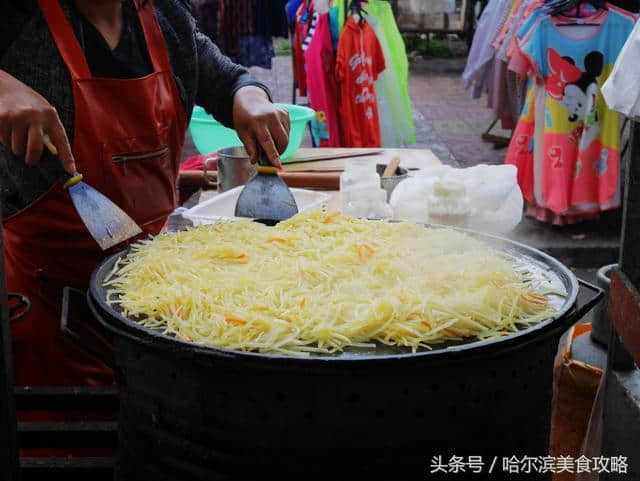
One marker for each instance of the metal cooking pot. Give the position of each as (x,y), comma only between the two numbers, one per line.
(200,413)
(234,168)
(390,183)
(601,326)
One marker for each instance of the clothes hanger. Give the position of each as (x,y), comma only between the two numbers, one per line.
(561,6)
(305,18)
(355,8)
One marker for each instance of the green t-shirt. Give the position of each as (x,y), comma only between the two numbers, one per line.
(384,13)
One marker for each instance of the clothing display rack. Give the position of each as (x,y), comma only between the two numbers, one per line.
(350,62)
(543,77)
(499,141)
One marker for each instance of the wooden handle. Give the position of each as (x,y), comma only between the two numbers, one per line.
(68,179)
(304,155)
(309,180)
(301,180)
(197,177)
(392,167)
(49,145)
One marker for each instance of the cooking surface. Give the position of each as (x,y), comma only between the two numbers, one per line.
(542,267)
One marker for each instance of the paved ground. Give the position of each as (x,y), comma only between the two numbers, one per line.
(447,119)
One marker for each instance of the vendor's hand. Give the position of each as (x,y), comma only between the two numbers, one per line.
(25,116)
(255,117)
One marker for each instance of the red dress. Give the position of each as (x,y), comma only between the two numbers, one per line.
(360,61)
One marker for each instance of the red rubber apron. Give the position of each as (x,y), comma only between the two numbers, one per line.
(127,141)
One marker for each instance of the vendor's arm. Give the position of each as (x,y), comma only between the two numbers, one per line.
(229,93)
(24,117)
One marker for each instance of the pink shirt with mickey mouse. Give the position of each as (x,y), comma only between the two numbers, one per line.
(567,143)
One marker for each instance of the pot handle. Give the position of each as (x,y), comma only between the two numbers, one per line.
(76,323)
(207,182)
(581,311)
(19,306)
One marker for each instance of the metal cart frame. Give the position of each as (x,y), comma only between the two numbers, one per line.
(470,11)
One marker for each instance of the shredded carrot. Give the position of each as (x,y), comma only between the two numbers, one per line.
(538,298)
(306,276)
(364,251)
(329,217)
(279,240)
(534,299)
(178,312)
(239,259)
(235,321)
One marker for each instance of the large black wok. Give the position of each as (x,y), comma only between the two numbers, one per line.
(195,412)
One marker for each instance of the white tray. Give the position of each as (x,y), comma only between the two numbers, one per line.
(223,206)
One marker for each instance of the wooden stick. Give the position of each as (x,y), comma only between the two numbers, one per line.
(315,155)
(392,167)
(308,180)
(49,145)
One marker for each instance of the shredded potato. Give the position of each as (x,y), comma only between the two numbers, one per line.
(322,282)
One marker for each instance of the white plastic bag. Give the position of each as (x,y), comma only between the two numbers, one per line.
(493,192)
(496,197)
(502,220)
(621,91)
(489,186)
(410,198)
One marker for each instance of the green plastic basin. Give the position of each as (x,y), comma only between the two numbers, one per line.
(209,135)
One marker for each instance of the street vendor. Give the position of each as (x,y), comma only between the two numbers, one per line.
(113,84)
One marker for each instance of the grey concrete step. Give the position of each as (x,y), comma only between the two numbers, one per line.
(586,245)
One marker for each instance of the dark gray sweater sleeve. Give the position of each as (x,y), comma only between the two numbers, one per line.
(219,79)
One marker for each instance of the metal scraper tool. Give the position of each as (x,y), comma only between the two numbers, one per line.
(266,196)
(107,223)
